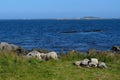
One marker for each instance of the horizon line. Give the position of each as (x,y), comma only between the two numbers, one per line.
(58,18)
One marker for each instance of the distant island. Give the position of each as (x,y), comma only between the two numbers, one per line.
(86,18)
(91,17)
(79,18)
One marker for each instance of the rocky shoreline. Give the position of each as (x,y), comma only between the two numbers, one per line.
(4,46)
(90,59)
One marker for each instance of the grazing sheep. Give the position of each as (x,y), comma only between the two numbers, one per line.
(34,54)
(51,55)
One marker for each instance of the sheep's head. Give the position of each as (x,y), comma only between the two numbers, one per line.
(43,55)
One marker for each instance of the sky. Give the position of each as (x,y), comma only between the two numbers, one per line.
(40,9)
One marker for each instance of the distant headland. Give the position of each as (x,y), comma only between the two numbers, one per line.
(91,17)
(79,18)
(86,18)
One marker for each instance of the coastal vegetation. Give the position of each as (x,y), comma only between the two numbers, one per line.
(17,67)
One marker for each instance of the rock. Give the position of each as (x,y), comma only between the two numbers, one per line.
(21,51)
(85,62)
(102,65)
(41,50)
(95,30)
(77,63)
(5,46)
(116,48)
(11,47)
(34,54)
(70,32)
(93,62)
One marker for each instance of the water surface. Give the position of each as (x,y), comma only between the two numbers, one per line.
(61,35)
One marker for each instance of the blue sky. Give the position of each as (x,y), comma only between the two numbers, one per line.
(35,9)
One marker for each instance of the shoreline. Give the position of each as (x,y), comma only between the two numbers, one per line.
(4,46)
(63,19)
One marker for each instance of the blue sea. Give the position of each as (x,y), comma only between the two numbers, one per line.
(61,35)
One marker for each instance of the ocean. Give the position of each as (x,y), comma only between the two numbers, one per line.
(61,35)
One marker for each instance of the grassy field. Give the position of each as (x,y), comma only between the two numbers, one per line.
(13,67)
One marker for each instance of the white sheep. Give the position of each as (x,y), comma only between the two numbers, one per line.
(51,55)
(34,54)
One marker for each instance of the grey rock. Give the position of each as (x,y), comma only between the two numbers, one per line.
(77,63)
(21,51)
(93,64)
(5,46)
(95,60)
(116,48)
(102,65)
(11,47)
(85,62)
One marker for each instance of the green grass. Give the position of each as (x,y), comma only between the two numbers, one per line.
(13,67)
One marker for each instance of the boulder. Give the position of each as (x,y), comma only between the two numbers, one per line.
(90,63)
(93,62)
(116,48)
(85,62)
(102,65)
(21,51)
(11,47)
(70,32)
(77,63)
(5,46)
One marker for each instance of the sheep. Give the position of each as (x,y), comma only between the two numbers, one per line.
(34,54)
(51,55)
